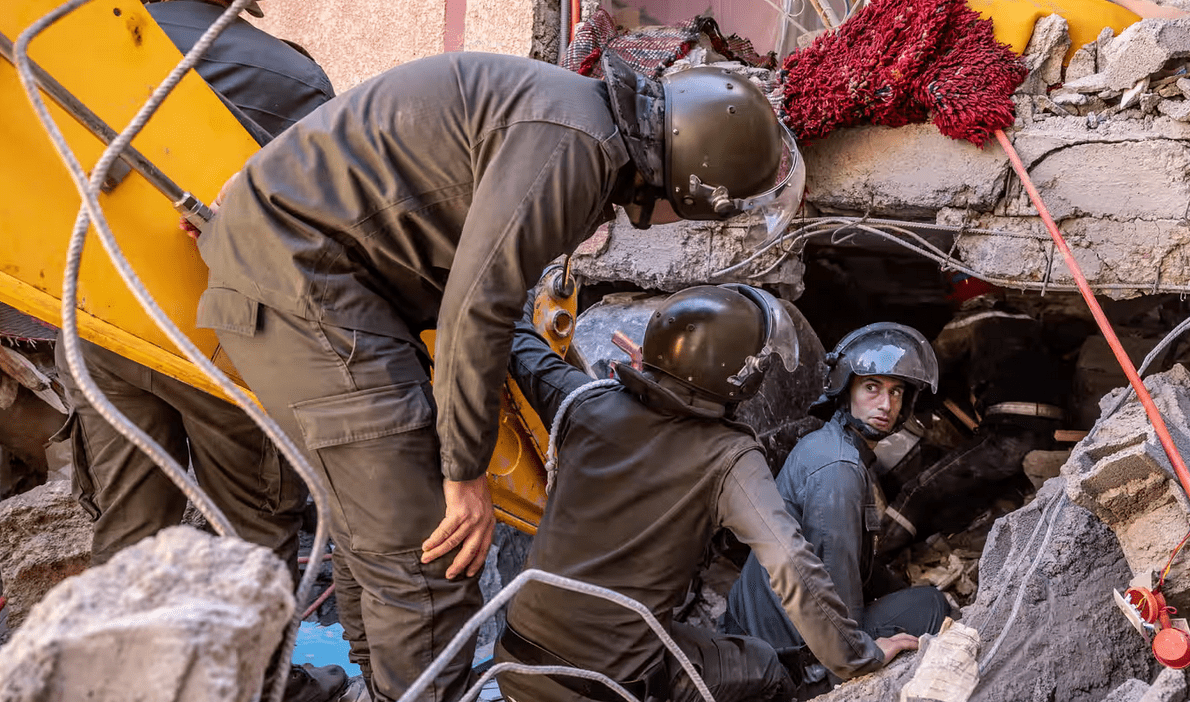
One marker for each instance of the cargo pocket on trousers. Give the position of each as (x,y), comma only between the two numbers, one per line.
(380,452)
(82,484)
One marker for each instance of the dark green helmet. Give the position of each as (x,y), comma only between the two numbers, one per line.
(720,340)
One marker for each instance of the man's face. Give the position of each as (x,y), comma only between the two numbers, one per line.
(876,400)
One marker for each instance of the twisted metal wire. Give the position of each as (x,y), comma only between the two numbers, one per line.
(565,583)
(91,212)
(894,230)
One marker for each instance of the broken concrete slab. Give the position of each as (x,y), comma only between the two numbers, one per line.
(45,537)
(1144,180)
(1143,48)
(670,257)
(1123,258)
(1179,109)
(870,170)
(207,612)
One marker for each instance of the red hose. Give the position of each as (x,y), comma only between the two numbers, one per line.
(575,9)
(321,598)
(1179,466)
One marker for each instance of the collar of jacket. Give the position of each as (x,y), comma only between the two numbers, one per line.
(667,395)
(638,104)
(843,418)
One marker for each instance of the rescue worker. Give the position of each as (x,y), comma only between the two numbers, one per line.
(430,196)
(648,469)
(875,374)
(271,85)
(996,357)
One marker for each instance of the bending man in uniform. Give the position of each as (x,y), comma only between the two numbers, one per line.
(648,469)
(433,196)
(828,487)
(271,86)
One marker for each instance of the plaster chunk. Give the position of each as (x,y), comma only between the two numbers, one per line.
(1184,85)
(1083,63)
(1094,83)
(870,169)
(1170,686)
(1175,109)
(1045,53)
(1143,48)
(207,612)
(45,537)
(1132,690)
(1132,95)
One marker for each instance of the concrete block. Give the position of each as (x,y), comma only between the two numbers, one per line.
(180,617)
(45,537)
(670,257)
(1175,109)
(1143,49)
(883,171)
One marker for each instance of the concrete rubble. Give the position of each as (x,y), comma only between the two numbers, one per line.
(179,617)
(45,537)
(1106,142)
(1121,474)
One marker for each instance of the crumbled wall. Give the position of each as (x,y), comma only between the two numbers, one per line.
(1107,144)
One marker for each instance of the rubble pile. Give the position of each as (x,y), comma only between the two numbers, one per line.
(45,537)
(181,616)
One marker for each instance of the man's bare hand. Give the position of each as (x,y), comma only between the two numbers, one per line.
(469,521)
(893,645)
(189,228)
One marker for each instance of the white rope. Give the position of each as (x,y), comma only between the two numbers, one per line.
(1021,587)
(565,583)
(91,212)
(475,689)
(551,452)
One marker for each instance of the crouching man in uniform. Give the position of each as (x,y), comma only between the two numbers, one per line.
(827,486)
(648,468)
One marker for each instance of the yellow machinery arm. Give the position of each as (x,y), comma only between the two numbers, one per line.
(110,56)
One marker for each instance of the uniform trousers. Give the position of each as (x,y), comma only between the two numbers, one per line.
(361,407)
(130,498)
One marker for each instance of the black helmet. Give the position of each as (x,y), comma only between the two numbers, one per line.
(719,340)
(709,141)
(887,349)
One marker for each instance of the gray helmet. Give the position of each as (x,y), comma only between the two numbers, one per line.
(887,349)
(720,340)
(709,141)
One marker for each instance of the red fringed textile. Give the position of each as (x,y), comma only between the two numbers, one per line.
(650,50)
(899,61)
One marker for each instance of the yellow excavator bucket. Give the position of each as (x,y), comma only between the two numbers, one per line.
(110,56)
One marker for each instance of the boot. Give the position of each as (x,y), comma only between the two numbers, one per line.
(309,684)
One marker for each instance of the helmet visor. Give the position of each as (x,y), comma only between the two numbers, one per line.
(780,204)
(781,338)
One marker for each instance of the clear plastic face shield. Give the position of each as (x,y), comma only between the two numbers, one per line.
(780,334)
(781,203)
